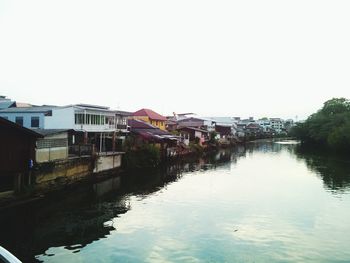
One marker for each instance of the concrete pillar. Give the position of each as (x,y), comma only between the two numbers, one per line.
(85,137)
(113,142)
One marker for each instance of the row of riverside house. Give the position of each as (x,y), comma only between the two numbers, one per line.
(43,145)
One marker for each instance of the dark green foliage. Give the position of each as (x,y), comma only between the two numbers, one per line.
(145,156)
(212,137)
(330,126)
(196,148)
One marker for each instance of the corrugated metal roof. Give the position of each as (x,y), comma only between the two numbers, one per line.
(193,129)
(138,124)
(46,132)
(123,113)
(38,109)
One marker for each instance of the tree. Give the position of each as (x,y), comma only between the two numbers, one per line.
(335,106)
(330,126)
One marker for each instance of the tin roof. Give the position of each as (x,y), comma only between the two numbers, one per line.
(46,132)
(37,109)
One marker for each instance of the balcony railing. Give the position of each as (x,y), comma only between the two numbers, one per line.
(80,150)
(121,126)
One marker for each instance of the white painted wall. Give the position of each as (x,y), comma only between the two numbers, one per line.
(105,163)
(51,154)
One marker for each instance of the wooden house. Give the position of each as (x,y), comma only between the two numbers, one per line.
(17,154)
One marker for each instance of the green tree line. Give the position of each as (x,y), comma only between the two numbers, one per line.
(329,126)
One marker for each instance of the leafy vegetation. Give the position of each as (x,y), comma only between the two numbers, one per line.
(330,126)
(140,155)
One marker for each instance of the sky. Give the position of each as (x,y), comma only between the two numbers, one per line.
(214,58)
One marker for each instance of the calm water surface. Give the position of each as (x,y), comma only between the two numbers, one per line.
(267,202)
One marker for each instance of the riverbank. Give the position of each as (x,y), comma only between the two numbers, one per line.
(52,180)
(162,213)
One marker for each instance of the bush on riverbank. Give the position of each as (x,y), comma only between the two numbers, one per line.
(145,156)
(330,126)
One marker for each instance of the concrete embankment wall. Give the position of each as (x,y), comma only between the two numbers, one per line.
(57,174)
(107,162)
(52,175)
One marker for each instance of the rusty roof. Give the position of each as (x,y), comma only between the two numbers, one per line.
(150,114)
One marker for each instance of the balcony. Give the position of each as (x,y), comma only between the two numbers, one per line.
(121,126)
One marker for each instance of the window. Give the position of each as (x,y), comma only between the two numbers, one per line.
(35,122)
(79,118)
(19,120)
(4,117)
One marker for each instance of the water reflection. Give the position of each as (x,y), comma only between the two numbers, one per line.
(334,169)
(244,191)
(77,217)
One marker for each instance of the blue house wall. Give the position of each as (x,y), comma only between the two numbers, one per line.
(26,118)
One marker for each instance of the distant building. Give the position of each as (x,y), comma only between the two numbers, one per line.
(151,117)
(5,102)
(265,123)
(8,103)
(277,124)
(192,122)
(191,134)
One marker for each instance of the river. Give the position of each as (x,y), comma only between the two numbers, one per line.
(266,202)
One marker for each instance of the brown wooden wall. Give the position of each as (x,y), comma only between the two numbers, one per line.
(16,149)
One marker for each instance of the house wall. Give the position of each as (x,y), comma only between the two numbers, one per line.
(50,154)
(62,118)
(159,124)
(142,118)
(11,116)
(15,151)
(47,153)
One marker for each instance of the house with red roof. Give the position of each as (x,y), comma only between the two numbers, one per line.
(150,117)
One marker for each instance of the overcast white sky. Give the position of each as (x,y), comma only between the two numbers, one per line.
(230,58)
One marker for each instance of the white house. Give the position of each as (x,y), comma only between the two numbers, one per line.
(265,124)
(277,124)
(98,123)
(82,117)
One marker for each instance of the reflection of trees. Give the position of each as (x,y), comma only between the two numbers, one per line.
(332,168)
(268,147)
(75,218)
(68,220)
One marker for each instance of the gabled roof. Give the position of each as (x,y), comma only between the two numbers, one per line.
(149,132)
(137,124)
(15,126)
(46,132)
(192,119)
(150,114)
(193,129)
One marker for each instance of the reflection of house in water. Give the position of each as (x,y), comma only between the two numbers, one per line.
(72,220)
